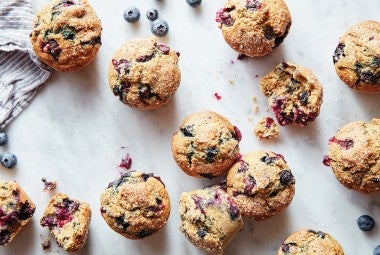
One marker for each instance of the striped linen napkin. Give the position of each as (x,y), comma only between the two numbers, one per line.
(21,73)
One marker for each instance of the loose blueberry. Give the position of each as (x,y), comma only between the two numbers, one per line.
(376,251)
(131,14)
(365,223)
(8,160)
(194,3)
(3,139)
(159,27)
(152,14)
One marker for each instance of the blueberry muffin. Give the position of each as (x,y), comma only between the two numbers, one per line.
(294,94)
(254,27)
(206,144)
(209,218)
(310,242)
(357,57)
(261,184)
(144,73)
(16,210)
(66,34)
(136,205)
(68,221)
(354,156)
(266,128)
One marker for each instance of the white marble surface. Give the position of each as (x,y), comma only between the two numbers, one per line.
(75,129)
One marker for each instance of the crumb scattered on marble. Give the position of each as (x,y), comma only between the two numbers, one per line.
(266,128)
(126,162)
(230,82)
(256,75)
(49,185)
(45,245)
(217,96)
(232,62)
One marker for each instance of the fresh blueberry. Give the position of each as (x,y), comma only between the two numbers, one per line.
(131,14)
(159,27)
(194,3)
(152,14)
(376,251)
(8,160)
(366,223)
(3,139)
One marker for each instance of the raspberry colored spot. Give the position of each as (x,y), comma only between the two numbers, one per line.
(126,162)
(162,47)
(217,96)
(346,143)
(145,58)
(326,160)
(268,122)
(63,217)
(249,183)
(121,65)
(223,16)
(238,157)
(243,166)
(198,203)
(51,47)
(237,135)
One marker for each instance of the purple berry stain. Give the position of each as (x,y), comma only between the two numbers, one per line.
(126,162)
(268,122)
(253,5)
(223,17)
(346,143)
(326,160)
(237,134)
